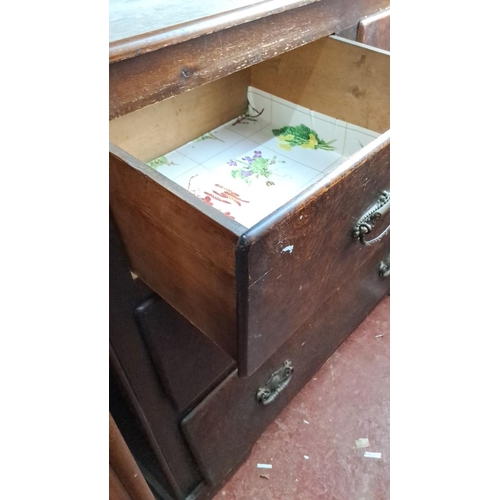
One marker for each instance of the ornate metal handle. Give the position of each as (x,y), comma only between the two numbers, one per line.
(384,268)
(368,221)
(276,384)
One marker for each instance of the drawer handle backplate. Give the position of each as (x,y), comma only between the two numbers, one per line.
(384,268)
(276,384)
(370,218)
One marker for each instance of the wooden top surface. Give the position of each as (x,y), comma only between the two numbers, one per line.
(184,44)
(141,26)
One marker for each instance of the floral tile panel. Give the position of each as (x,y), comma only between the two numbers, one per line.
(302,144)
(254,164)
(210,144)
(247,182)
(172,165)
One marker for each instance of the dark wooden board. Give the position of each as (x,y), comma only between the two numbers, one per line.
(375,30)
(131,367)
(232,415)
(154,76)
(188,363)
(294,259)
(124,466)
(182,253)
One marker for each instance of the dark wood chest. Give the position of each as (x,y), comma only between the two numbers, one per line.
(219,316)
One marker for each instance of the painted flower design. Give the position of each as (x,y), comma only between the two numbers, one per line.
(253,167)
(158,162)
(302,136)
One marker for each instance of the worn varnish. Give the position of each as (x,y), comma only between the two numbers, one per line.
(190,253)
(185,255)
(231,412)
(277,289)
(138,27)
(151,77)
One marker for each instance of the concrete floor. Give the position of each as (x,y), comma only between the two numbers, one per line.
(312,444)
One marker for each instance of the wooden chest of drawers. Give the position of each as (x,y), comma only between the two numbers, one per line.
(237,318)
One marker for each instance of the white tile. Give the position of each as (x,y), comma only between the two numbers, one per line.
(285,115)
(210,144)
(289,104)
(354,141)
(317,159)
(185,180)
(365,131)
(341,123)
(174,164)
(314,180)
(321,116)
(334,165)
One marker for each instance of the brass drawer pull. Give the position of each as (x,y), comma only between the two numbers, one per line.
(276,384)
(384,268)
(369,220)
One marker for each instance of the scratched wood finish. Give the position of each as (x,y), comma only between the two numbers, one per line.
(357,79)
(164,126)
(375,30)
(138,27)
(142,80)
(277,289)
(177,244)
(122,463)
(231,412)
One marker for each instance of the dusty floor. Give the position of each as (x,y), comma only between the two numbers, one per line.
(312,444)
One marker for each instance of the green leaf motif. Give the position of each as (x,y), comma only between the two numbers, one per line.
(158,162)
(302,136)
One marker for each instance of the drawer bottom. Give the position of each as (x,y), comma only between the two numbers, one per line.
(222,429)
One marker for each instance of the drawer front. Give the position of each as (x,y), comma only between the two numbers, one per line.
(224,427)
(297,257)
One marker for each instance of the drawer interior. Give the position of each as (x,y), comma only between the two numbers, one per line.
(191,190)
(250,142)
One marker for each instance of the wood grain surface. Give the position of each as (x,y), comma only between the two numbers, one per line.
(166,125)
(231,412)
(138,26)
(150,77)
(187,257)
(278,289)
(332,76)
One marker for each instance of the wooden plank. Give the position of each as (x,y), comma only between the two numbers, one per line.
(335,77)
(138,383)
(139,81)
(164,126)
(117,490)
(277,289)
(182,253)
(375,30)
(231,412)
(123,464)
(142,80)
(138,27)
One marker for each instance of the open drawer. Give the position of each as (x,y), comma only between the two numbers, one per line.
(246,224)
